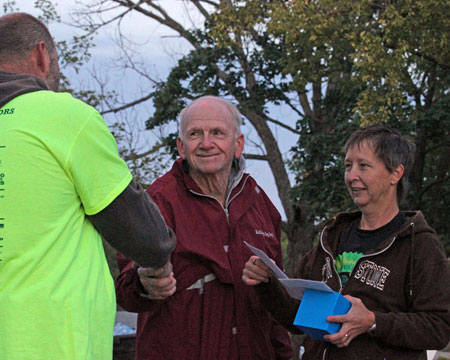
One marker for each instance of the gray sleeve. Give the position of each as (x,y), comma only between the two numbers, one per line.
(134,226)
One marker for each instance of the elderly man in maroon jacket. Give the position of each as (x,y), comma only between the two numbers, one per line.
(207,313)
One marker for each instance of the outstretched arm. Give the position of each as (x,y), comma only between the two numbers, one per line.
(134,226)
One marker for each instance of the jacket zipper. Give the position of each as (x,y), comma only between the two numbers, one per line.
(337,275)
(227,202)
(331,257)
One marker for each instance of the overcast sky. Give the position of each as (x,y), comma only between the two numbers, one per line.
(158,49)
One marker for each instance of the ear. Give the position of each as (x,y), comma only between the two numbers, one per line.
(240,141)
(180,148)
(397,174)
(41,60)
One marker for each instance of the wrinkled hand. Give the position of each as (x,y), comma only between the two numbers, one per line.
(255,271)
(357,321)
(159,283)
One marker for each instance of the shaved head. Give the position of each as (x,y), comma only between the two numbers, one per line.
(20,34)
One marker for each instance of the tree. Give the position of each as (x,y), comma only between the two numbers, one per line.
(404,59)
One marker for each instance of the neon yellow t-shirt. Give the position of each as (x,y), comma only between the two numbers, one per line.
(58,162)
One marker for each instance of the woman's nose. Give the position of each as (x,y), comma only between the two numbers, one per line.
(352,174)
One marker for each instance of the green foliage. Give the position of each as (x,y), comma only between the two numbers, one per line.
(9,6)
(318,165)
(316,58)
(316,37)
(215,70)
(193,76)
(49,13)
(76,52)
(403,44)
(393,63)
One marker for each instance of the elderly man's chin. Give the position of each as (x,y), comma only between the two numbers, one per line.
(212,167)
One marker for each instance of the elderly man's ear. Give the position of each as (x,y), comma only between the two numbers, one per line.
(180,148)
(240,141)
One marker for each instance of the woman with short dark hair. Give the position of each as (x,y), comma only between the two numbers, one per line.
(389,264)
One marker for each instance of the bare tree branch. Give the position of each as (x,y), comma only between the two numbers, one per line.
(163,18)
(433,184)
(131,104)
(279,123)
(255,157)
(202,9)
(154,149)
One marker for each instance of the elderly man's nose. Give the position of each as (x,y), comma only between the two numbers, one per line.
(206,140)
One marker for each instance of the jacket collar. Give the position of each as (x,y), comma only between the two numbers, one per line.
(13,85)
(415,222)
(237,171)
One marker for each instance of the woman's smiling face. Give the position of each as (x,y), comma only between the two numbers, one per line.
(368,181)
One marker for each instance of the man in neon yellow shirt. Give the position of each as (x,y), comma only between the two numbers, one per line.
(62,184)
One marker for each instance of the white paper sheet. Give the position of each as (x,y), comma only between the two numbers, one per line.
(266,260)
(294,287)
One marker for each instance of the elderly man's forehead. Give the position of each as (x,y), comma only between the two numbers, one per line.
(208,108)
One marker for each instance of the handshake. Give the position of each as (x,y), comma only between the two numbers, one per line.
(158,283)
